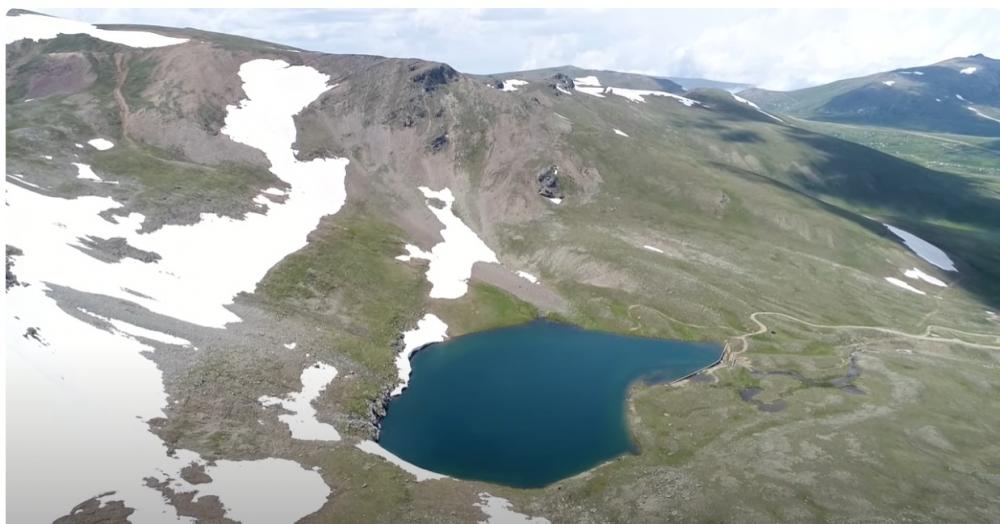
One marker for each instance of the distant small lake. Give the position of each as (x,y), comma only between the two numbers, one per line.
(528,405)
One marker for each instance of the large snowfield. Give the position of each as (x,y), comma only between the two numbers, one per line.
(87,377)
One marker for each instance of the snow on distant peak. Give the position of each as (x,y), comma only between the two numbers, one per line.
(587,81)
(889,83)
(513,84)
(636,95)
(968,70)
(41,27)
(983,115)
(753,105)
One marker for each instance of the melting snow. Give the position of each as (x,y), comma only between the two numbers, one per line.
(96,385)
(587,81)
(889,83)
(78,146)
(247,489)
(554,200)
(101,144)
(302,420)
(916,274)
(513,84)
(897,282)
(636,95)
(452,259)
(960,97)
(498,511)
(528,276)
(419,474)
(290,345)
(39,27)
(429,329)
(85,172)
(924,249)
(620,133)
(968,70)
(136,331)
(563,90)
(653,249)
(983,115)
(753,105)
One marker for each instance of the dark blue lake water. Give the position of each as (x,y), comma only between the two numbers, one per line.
(527,405)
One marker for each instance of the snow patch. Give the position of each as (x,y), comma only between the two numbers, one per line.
(968,70)
(742,100)
(983,115)
(897,282)
(528,276)
(290,345)
(619,132)
(95,384)
(889,83)
(429,329)
(554,200)
(101,144)
(498,511)
(136,331)
(637,95)
(653,249)
(587,81)
(924,249)
(85,172)
(247,489)
(420,474)
(916,274)
(563,90)
(39,27)
(451,260)
(960,97)
(513,84)
(302,420)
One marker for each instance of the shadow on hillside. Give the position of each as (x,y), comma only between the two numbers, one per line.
(948,210)
(742,135)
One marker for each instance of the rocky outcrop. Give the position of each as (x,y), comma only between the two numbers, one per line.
(548,183)
(439,143)
(112,250)
(560,80)
(435,77)
(11,277)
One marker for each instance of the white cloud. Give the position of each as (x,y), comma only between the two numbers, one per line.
(773,48)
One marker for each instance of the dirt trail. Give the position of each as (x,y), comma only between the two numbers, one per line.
(731,354)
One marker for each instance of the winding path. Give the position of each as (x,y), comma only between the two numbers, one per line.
(731,354)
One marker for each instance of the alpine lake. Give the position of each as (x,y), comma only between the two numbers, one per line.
(528,405)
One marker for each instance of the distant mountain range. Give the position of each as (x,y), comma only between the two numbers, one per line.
(960,95)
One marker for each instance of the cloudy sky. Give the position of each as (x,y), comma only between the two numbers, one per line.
(777,49)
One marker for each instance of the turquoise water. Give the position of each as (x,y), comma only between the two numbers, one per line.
(527,405)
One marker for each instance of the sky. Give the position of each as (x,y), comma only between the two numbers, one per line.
(771,48)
